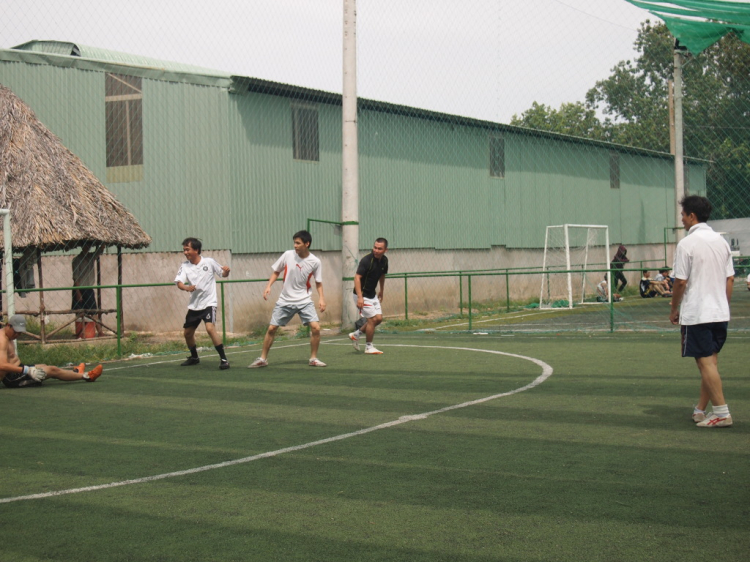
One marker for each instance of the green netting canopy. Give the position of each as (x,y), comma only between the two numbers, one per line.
(698,24)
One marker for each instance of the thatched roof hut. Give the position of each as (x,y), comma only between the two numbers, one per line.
(56,202)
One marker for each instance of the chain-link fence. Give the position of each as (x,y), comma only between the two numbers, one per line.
(127,128)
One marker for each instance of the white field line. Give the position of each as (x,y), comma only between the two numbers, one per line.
(546,373)
(522,315)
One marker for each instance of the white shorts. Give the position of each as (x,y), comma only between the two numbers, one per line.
(282,314)
(371,308)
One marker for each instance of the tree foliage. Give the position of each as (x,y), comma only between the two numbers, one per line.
(634,104)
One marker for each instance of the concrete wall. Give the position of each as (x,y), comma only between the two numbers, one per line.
(162,309)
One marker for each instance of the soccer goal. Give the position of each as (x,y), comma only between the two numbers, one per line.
(570,250)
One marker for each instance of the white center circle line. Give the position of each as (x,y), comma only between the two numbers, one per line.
(546,373)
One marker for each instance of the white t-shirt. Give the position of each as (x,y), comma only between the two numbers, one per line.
(601,288)
(297,275)
(704,259)
(202,276)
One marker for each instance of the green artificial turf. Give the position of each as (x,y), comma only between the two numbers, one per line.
(598,462)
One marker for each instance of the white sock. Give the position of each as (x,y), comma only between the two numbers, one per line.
(369,345)
(697,410)
(721,411)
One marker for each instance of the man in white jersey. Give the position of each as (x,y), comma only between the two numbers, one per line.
(704,277)
(197,276)
(299,267)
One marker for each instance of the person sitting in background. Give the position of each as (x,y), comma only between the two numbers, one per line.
(664,278)
(602,292)
(650,288)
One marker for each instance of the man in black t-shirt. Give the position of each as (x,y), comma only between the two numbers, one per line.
(370,274)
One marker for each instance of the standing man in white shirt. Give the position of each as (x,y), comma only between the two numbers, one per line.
(197,276)
(299,267)
(704,277)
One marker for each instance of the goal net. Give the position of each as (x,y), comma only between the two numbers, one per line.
(570,252)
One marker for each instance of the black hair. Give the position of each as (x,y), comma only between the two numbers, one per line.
(194,243)
(303,235)
(698,205)
(382,241)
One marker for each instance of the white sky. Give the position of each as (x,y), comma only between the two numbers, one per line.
(486,59)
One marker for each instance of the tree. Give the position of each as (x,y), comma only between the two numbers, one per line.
(633,101)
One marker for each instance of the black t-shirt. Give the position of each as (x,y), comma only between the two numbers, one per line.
(371,271)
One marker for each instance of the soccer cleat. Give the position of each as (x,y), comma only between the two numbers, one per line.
(316,363)
(190,361)
(94,373)
(372,350)
(715,421)
(699,416)
(80,369)
(259,362)
(355,340)
(224,365)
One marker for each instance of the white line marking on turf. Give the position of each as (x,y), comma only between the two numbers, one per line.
(546,373)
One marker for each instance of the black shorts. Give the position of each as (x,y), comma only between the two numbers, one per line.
(703,340)
(17,380)
(87,302)
(195,317)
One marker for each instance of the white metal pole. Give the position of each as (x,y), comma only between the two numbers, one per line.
(567,267)
(610,290)
(679,170)
(350,168)
(10,290)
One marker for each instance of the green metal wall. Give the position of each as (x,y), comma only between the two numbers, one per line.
(220,166)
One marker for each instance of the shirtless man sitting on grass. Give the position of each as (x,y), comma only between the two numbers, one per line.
(14,374)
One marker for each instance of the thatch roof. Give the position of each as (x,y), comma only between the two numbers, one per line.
(56,202)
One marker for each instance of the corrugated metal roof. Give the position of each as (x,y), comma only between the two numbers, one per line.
(95,53)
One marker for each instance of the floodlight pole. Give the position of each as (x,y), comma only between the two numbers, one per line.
(350,169)
(679,164)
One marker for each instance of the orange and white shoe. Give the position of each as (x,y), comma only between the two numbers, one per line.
(316,363)
(355,340)
(80,369)
(93,374)
(716,421)
(372,350)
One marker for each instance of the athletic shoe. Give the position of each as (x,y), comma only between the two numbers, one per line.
(715,421)
(372,350)
(224,365)
(80,369)
(94,373)
(699,416)
(355,340)
(190,361)
(316,363)
(259,362)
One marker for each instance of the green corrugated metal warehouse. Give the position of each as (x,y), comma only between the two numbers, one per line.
(242,163)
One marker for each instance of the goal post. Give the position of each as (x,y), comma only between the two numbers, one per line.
(570,251)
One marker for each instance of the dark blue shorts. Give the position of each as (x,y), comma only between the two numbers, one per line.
(703,340)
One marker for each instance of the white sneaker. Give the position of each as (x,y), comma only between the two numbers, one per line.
(715,421)
(355,340)
(316,363)
(699,416)
(372,350)
(259,362)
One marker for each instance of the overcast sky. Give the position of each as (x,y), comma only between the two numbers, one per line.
(486,59)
